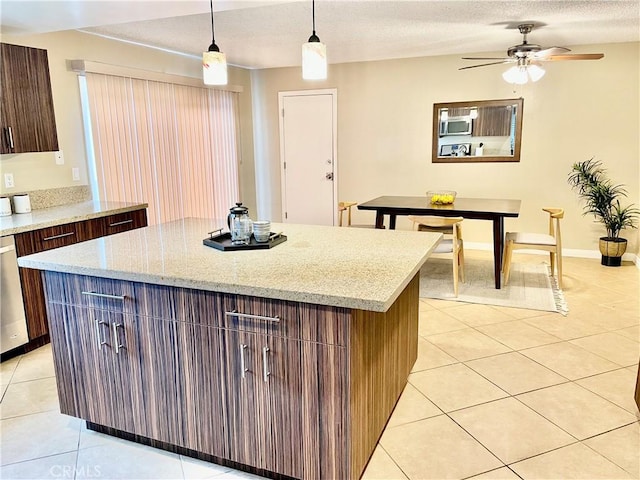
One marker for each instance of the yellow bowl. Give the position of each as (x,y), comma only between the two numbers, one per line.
(441,197)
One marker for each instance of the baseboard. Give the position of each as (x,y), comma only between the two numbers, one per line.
(567,252)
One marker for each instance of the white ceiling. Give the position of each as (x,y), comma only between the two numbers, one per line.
(265,34)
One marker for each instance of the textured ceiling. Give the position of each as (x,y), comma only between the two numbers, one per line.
(265,34)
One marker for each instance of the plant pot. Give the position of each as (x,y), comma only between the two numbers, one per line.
(612,250)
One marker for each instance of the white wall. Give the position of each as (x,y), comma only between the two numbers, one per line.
(577,111)
(34,171)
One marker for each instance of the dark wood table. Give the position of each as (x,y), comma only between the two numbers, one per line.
(473,208)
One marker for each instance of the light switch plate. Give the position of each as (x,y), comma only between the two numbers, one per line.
(8,180)
(75,172)
(59,158)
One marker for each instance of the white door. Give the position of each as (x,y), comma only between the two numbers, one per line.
(308,156)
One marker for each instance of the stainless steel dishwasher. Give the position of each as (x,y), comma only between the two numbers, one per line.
(13,324)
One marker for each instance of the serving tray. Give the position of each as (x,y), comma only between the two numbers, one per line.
(223,242)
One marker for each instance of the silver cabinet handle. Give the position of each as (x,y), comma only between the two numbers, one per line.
(10,131)
(233,313)
(124,222)
(265,367)
(101,342)
(115,327)
(62,235)
(105,295)
(243,365)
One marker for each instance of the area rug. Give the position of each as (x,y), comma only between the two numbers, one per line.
(530,285)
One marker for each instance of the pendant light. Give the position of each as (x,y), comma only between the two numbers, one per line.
(214,62)
(314,54)
(523,72)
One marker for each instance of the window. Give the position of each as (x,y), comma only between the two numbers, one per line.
(170,145)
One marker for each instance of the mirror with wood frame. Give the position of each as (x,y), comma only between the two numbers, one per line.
(478,131)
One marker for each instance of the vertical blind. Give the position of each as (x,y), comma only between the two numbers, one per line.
(172,146)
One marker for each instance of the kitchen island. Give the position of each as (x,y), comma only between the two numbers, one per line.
(287,362)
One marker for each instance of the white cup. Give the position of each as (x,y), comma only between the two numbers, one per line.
(5,207)
(22,203)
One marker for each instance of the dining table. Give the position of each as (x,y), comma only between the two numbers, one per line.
(493,209)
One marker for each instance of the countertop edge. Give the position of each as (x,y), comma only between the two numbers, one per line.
(72,219)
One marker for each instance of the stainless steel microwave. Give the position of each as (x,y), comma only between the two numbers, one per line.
(456,126)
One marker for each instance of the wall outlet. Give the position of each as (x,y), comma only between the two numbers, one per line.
(75,173)
(59,158)
(8,180)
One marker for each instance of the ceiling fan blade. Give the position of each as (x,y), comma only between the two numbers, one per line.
(575,56)
(486,64)
(486,58)
(548,52)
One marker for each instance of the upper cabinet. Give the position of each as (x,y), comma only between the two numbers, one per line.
(27,119)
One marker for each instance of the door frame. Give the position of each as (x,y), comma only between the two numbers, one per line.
(297,93)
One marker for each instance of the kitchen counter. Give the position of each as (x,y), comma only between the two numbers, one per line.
(286,361)
(49,217)
(343,267)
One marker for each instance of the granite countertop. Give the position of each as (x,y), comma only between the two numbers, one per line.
(358,268)
(49,217)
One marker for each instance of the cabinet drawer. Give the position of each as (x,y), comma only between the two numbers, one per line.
(122,222)
(315,323)
(92,292)
(48,238)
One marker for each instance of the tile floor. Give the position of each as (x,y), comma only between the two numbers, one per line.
(496,393)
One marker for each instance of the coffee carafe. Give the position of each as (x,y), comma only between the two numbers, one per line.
(239,224)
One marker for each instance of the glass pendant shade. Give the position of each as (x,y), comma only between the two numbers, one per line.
(314,61)
(214,68)
(535,72)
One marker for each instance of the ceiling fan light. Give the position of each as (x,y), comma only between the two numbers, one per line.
(214,68)
(516,74)
(314,61)
(535,72)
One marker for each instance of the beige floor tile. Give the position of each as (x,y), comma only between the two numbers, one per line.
(515,373)
(430,356)
(467,344)
(518,335)
(436,448)
(613,347)
(7,368)
(412,406)
(34,366)
(617,386)
(577,410)
(621,446)
(454,387)
(511,430)
(572,326)
(38,435)
(29,397)
(425,305)
(437,321)
(569,360)
(130,460)
(632,333)
(195,469)
(382,467)
(474,314)
(61,466)
(503,473)
(576,462)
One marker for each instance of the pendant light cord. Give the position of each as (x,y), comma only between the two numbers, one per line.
(313,15)
(213,36)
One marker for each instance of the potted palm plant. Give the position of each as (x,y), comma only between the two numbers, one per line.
(602,199)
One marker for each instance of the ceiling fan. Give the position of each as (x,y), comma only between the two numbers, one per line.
(527,56)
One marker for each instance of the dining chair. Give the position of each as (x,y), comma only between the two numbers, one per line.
(454,245)
(342,207)
(550,242)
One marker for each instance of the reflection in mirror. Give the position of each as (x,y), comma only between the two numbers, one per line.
(479,131)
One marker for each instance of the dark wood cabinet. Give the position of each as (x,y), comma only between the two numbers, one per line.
(59,236)
(28,122)
(492,122)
